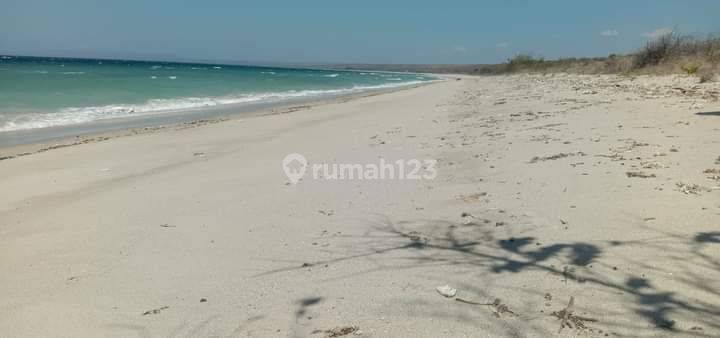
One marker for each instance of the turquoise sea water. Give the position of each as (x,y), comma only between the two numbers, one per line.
(46,92)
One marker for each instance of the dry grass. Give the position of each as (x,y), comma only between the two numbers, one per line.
(668,54)
(526,63)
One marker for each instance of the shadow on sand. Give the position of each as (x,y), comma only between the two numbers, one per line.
(431,243)
(709,113)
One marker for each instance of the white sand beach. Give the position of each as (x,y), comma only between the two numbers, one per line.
(600,189)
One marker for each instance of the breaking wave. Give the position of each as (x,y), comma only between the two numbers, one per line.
(75,115)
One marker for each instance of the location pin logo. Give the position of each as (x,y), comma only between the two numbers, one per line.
(294,166)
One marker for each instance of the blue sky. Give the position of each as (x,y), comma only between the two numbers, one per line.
(365,31)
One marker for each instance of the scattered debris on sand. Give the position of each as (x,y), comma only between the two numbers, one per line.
(155,311)
(447,291)
(714,174)
(341,331)
(472,197)
(570,320)
(613,156)
(652,165)
(555,157)
(499,308)
(467,214)
(689,189)
(327,212)
(639,174)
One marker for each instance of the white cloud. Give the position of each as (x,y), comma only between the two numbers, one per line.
(610,32)
(660,32)
(460,49)
(503,45)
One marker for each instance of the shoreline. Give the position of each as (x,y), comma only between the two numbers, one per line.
(14,144)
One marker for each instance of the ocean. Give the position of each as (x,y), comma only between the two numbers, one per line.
(40,92)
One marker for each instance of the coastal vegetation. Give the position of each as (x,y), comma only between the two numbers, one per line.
(671,53)
(668,54)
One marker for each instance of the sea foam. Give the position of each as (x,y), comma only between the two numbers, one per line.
(75,115)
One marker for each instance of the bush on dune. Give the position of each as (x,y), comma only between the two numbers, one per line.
(666,54)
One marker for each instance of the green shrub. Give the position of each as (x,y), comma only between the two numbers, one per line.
(656,51)
(690,69)
(524,61)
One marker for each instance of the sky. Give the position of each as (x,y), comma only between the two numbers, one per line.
(368,31)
